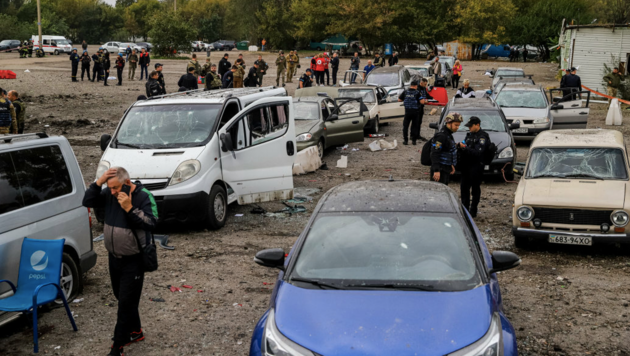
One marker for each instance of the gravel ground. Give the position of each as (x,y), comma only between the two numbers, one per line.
(561,301)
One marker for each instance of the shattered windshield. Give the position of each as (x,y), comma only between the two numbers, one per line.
(383,79)
(405,249)
(509,73)
(421,71)
(598,163)
(167,126)
(306,110)
(490,121)
(521,99)
(366,94)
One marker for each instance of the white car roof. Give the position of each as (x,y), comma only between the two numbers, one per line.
(245,95)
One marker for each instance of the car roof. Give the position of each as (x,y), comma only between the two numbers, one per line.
(201,96)
(579,138)
(473,103)
(418,66)
(521,86)
(11,142)
(390,196)
(511,68)
(392,69)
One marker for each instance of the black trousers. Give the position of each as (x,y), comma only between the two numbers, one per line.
(445,175)
(85,70)
(455,81)
(411,117)
(127,276)
(420,116)
(334,75)
(119,72)
(75,70)
(471,180)
(96,73)
(327,77)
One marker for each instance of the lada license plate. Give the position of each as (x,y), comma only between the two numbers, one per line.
(571,240)
(521,130)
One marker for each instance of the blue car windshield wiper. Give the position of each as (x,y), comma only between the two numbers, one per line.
(315,282)
(422,287)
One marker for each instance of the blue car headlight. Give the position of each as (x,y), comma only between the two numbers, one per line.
(276,344)
(491,344)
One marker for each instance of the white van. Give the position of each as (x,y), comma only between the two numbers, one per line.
(199,151)
(53,44)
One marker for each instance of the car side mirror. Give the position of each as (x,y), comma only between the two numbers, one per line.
(226,142)
(515,125)
(105,139)
(273,258)
(333,117)
(382,101)
(504,260)
(557,106)
(433,125)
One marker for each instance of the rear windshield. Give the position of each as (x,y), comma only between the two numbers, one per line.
(509,73)
(167,126)
(383,79)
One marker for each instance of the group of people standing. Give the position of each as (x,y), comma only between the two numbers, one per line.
(515,53)
(12,112)
(101,64)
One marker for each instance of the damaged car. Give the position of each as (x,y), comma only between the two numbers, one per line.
(368,277)
(574,190)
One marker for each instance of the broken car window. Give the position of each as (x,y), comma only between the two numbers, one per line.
(521,99)
(366,94)
(490,120)
(306,110)
(600,163)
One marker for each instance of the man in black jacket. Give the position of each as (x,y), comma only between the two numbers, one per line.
(393,60)
(228,78)
(573,83)
(152,85)
(224,65)
(130,217)
(74,59)
(334,63)
(188,81)
(160,79)
(252,77)
(444,150)
(477,142)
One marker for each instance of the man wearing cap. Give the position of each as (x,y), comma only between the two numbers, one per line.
(613,82)
(305,79)
(471,164)
(74,59)
(412,100)
(444,150)
(281,63)
(160,79)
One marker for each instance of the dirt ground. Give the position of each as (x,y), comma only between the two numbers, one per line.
(561,301)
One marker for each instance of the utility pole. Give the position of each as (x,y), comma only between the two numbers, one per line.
(39,25)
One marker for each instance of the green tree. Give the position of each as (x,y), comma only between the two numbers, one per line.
(613,11)
(276,22)
(170,32)
(14,29)
(138,16)
(482,22)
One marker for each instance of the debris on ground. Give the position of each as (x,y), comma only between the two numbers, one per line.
(77,300)
(306,161)
(343,162)
(382,145)
(158,300)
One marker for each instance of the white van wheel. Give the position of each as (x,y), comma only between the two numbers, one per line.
(70,281)
(56,52)
(217,207)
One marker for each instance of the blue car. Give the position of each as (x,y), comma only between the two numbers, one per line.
(387,268)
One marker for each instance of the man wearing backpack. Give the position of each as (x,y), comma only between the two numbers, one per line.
(473,152)
(444,150)
(413,101)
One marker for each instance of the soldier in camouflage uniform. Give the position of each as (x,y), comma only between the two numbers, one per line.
(193,63)
(281,63)
(205,69)
(133,64)
(291,64)
(20,109)
(8,121)
(213,80)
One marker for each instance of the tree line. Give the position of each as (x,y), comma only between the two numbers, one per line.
(293,23)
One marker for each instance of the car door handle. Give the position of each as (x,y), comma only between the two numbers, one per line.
(575,105)
(355,122)
(583,113)
(290,148)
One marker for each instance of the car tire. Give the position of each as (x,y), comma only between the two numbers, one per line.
(521,242)
(509,175)
(320,148)
(375,128)
(70,282)
(217,207)
(56,52)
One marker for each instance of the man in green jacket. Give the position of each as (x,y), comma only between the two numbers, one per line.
(281,62)
(133,64)
(613,82)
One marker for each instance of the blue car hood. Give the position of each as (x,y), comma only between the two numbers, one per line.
(377,322)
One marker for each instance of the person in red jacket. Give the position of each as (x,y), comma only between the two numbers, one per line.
(326,64)
(120,64)
(319,69)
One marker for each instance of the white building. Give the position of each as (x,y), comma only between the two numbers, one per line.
(589,47)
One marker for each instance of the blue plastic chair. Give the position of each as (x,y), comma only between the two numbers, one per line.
(38,280)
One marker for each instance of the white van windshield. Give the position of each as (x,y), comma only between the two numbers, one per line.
(167,126)
(62,42)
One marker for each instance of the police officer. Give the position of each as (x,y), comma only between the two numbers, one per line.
(20,109)
(106,63)
(412,100)
(262,69)
(574,83)
(96,69)
(74,59)
(8,121)
(444,150)
(334,63)
(305,80)
(472,152)
(281,63)
(85,64)
(424,92)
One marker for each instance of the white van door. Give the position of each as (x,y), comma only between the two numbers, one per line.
(258,151)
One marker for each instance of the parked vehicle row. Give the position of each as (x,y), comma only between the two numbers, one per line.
(9,45)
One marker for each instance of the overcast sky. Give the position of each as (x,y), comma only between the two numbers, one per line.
(111,2)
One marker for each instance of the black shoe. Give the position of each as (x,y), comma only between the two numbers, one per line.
(413,142)
(116,351)
(106,84)
(118,84)
(135,336)
(405,142)
(423,138)
(473,212)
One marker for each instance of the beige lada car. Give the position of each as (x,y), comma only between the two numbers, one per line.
(574,190)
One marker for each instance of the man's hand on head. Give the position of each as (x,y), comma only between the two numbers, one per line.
(106,176)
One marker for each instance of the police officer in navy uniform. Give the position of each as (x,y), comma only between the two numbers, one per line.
(414,102)
(471,165)
(444,150)
(74,59)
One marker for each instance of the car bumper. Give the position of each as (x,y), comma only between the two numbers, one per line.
(532,132)
(184,208)
(543,235)
(87,261)
(505,164)
(305,144)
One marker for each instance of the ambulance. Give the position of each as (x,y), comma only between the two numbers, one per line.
(53,44)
